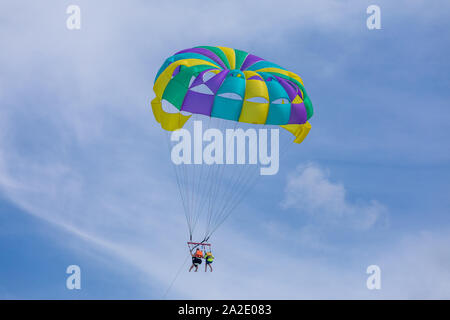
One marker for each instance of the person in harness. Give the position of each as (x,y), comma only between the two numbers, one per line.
(196,259)
(209,258)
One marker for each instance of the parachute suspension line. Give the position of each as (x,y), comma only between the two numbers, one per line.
(214,184)
(196,188)
(219,186)
(195,194)
(181,182)
(189,189)
(247,178)
(213,187)
(227,196)
(185,188)
(207,190)
(221,193)
(192,191)
(287,145)
(238,177)
(202,185)
(232,208)
(196,191)
(238,187)
(178,184)
(245,182)
(216,169)
(198,209)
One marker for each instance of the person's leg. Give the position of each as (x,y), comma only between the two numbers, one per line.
(191,268)
(196,264)
(210,266)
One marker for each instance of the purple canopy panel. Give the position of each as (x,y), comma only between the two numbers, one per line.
(202,103)
(215,82)
(199,79)
(176,71)
(206,53)
(218,78)
(198,103)
(298,113)
(300,93)
(292,93)
(255,78)
(251,59)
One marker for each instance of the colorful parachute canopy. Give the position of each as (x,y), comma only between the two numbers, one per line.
(222,88)
(230,84)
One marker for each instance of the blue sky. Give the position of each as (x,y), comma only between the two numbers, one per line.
(85,178)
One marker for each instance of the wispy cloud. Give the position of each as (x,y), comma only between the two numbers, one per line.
(310,191)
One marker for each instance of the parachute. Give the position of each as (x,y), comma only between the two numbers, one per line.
(205,93)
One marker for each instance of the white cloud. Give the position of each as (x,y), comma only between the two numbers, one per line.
(310,191)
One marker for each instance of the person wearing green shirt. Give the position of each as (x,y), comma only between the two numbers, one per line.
(209,258)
